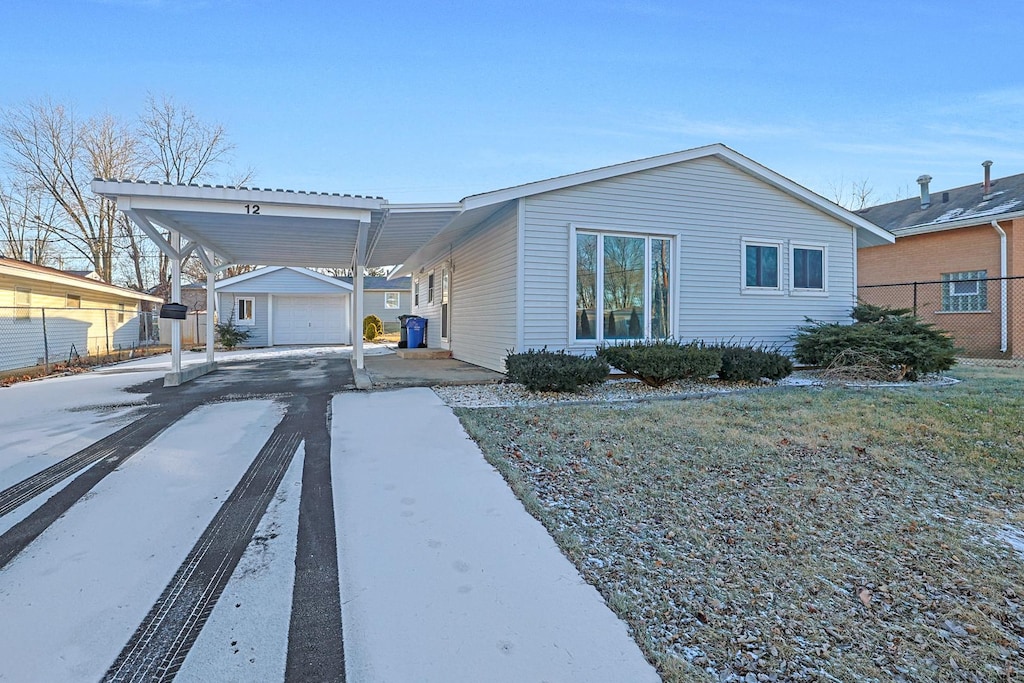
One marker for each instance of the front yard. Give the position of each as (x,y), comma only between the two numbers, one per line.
(792,534)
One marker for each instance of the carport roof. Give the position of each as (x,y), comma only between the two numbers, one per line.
(281,227)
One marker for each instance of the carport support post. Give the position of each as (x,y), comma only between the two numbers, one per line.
(358,264)
(211,281)
(176,298)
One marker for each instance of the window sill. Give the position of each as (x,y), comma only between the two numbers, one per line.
(755,291)
(823,293)
(961,312)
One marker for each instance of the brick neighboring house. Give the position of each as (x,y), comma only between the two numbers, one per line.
(958,256)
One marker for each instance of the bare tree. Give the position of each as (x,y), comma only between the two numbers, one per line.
(851,194)
(179,148)
(26,215)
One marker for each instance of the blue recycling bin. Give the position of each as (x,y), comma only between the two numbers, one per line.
(416,332)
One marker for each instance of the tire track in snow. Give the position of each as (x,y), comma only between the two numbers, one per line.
(105,456)
(162,641)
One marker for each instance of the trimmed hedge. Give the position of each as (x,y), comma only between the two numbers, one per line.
(373,327)
(554,370)
(751,363)
(658,362)
(887,338)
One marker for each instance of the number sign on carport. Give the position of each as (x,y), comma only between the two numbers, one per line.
(227,226)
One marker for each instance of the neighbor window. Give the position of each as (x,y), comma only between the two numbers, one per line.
(760,265)
(965,291)
(623,286)
(73,301)
(246,311)
(22,303)
(808,267)
(392,300)
(120,313)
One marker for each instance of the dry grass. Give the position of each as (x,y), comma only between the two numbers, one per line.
(804,534)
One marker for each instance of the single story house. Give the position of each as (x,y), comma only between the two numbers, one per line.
(699,244)
(703,244)
(386,298)
(958,261)
(283,305)
(47,315)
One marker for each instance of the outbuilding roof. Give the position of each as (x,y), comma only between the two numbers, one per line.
(32,271)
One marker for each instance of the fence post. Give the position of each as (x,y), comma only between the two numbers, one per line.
(106,329)
(915,299)
(46,346)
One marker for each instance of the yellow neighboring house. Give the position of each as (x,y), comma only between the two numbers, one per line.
(48,315)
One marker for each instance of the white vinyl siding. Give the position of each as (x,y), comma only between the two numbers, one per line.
(374,303)
(709,207)
(483,293)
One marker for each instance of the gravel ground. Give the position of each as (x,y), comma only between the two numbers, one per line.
(827,535)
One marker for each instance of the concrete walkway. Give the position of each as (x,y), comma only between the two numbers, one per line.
(444,575)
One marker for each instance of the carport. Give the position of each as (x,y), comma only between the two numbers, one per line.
(225,226)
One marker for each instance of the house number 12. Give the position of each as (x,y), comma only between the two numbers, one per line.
(253,209)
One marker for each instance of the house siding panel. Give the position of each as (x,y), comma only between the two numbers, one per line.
(483,298)
(708,206)
(284,281)
(373,304)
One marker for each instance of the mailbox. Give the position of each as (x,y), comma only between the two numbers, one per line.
(173,311)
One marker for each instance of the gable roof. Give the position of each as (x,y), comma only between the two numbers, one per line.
(477,207)
(266,270)
(383,283)
(31,271)
(949,209)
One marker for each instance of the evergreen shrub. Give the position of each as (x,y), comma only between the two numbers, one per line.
(230,335)
(554,370)
(657,362)
(373,327)
(751,363)
(886,338)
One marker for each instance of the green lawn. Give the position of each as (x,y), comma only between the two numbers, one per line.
(802,534)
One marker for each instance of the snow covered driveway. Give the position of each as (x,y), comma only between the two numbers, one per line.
(149,533)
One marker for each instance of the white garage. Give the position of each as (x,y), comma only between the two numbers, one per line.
(287,306)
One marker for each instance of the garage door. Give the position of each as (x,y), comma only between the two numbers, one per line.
(310,320)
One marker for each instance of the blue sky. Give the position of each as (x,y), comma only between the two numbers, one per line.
(433,101)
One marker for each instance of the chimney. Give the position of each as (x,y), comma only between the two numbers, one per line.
(926,199)
(987,187)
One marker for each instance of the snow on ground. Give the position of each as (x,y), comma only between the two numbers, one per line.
(77,593)
(246,637)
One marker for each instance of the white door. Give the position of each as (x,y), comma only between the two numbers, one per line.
(310,320)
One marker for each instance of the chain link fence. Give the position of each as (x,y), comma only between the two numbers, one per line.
(984,315)
(49,339)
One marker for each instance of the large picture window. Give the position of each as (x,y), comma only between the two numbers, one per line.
(965,291)
(623,286)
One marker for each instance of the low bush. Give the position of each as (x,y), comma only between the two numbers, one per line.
(554,370)
(230,335)
(660,361)
(751,363)
(373,327)
(882,339)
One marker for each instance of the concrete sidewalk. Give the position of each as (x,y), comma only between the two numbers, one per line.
(444,575)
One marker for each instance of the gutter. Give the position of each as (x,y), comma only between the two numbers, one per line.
(1002,285)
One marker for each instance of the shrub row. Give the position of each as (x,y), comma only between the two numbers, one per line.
(654,362)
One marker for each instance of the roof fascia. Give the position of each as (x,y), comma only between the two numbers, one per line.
(80,283)
(113,189)
(247,276)
(266,270)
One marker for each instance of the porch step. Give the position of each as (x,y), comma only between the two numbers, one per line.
(424,354)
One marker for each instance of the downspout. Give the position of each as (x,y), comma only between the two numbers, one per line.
(1002,285)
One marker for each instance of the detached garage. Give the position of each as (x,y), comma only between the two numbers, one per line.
(287,306)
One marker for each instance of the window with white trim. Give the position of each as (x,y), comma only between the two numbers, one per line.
(965,292)
(72,301)
(761,266)
(623,286)
(415,292)
(392,300)
(430,288)
(245,310)
(808,267)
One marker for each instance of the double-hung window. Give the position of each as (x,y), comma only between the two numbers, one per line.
(808,263)
(623,286)
(392,300)
(965,291)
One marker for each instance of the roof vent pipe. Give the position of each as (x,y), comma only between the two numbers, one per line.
(987,187)
(926,199)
